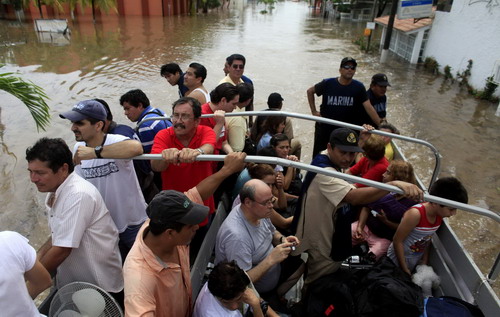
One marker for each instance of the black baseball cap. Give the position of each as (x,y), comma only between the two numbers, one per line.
(345,139)
(346,60)
(84,110)
(173,206)
(381,80)
(274,100)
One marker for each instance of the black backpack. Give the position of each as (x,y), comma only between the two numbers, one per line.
(331,295)
(385,290)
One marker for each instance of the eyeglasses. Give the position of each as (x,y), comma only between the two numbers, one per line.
(184,117)
(349,67)
(266,203)
(236,66)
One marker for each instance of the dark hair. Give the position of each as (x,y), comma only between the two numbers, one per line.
(247,191)
(270,125)
(277,138)
(267,151)
(134,98)
(449,188)
(157,228)
(194,103)
(53,151)
(259,171)
(388,126)
(227,280)
(199,70)
(171,68)
(374,147)
(245,90)
(235,57)
(109,115)
(224,90)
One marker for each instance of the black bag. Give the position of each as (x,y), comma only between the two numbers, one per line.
(387,291)
(250,146)
(331,295)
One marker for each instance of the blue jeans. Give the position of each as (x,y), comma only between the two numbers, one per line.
(127,239)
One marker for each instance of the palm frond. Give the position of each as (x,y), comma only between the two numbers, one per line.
(31,95)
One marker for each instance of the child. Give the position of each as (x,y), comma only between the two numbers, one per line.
(419,223)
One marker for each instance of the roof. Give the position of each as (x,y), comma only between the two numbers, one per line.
(405,25)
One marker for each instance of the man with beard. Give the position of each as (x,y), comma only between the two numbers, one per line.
(179,146)
(104,160)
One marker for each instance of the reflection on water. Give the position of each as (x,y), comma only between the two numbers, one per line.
(287,51)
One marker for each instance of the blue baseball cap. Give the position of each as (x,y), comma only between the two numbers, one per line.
(84,110)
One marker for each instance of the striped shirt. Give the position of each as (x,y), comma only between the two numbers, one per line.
(147,130)
(417,240)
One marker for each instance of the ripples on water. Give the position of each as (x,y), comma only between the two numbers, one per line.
(287,51)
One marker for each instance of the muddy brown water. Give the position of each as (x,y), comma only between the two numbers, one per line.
(287,50)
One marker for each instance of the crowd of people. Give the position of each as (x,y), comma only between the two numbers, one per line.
(134,227)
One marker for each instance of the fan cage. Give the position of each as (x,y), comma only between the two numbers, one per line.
(63,300)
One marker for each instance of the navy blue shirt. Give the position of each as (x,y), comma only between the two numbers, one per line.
(342,103)
(182,89)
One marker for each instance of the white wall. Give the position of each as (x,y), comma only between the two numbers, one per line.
(469,31)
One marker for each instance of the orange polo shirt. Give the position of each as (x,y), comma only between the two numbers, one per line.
(153,288)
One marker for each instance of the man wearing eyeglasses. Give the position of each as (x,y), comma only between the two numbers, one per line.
(343,99)
(248,237)
(179,146)
(234,70)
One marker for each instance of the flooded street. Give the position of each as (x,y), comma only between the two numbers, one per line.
(287,51)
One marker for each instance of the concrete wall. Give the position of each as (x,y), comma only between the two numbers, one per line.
(468,31)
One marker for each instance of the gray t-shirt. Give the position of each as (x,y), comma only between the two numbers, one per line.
(248,245)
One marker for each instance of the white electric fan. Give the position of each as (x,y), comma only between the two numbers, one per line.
(80,299)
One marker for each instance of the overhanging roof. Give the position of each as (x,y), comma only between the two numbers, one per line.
(406,25)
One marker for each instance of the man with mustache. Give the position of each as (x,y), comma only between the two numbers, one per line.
(179,146)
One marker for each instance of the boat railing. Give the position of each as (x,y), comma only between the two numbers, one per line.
(346,177)
(437,156)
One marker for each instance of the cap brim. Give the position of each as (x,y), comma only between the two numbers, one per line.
(349,148)
(383,83)
(73,116)
(196,215)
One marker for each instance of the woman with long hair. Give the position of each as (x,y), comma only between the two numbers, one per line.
(272,126)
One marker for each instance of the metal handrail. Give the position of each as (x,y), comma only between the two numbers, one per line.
(347,177)
(437,156)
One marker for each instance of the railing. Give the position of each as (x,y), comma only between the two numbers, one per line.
(347,177)
(437,156)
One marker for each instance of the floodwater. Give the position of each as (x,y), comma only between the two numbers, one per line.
(287,50)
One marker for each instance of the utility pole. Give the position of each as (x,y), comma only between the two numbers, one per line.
(388,34)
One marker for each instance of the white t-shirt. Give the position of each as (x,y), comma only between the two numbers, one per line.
(16,258)
(118,185)
(79,220)
(208,306)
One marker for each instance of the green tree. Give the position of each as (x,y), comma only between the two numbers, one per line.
(30,94)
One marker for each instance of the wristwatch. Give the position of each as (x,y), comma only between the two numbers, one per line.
(98,150)
(200,150)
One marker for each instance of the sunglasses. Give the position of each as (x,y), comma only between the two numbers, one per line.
(240,66)
(349,67)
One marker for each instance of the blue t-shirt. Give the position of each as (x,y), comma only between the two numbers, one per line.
(342,103)
(182,89)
